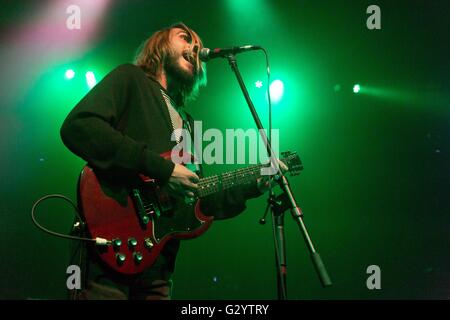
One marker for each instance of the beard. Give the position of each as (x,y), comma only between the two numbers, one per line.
(173,69)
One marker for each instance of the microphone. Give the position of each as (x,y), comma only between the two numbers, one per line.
(208,54)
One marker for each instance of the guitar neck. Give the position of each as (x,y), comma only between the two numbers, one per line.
(217,183)
(224,181)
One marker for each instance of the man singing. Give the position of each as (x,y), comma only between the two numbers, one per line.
(123,125)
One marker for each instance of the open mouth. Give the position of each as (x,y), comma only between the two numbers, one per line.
(189,57)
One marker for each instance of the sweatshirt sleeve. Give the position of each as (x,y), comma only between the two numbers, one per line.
(90,130)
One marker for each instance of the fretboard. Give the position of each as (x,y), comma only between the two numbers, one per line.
(217,183)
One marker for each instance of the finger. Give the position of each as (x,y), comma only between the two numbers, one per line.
(190,194)
(263,180)
(283,166)
(194,178)
(190,186)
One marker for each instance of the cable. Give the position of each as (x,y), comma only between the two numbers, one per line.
(268,92)
(269,138)
(98,241)
(271,194)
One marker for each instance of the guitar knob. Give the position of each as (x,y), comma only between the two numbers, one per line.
(137,257)
(116,243)
(148,243)
(120,258)
(132,242)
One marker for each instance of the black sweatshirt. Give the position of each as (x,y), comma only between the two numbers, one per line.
(123,125)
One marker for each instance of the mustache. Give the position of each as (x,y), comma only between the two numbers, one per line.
(190,56)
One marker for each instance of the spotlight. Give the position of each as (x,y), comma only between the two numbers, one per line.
(90,79)
(356,88)
(276,90)
(69,74)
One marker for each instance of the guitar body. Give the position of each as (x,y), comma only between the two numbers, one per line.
(138,219)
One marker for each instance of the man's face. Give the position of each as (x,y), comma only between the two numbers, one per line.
(180,64)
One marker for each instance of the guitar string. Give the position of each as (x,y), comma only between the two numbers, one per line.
(226,178)
(210,184)
(229,179)
(232,176)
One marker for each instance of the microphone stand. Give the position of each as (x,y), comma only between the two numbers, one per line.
(280,204)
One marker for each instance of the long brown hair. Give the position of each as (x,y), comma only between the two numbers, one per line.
(154,51)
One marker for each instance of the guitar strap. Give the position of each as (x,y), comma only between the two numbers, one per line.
(179,119)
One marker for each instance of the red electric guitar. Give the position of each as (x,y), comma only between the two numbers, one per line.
(139,219)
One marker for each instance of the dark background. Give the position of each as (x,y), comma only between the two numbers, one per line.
(375,188)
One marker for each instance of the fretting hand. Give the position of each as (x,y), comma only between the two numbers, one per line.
(263,182)
(183,182)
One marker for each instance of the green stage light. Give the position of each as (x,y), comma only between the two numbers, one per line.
(90,79)
(69,74)
(276,90)
(356,88)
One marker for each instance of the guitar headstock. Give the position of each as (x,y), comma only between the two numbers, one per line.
(292,160)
